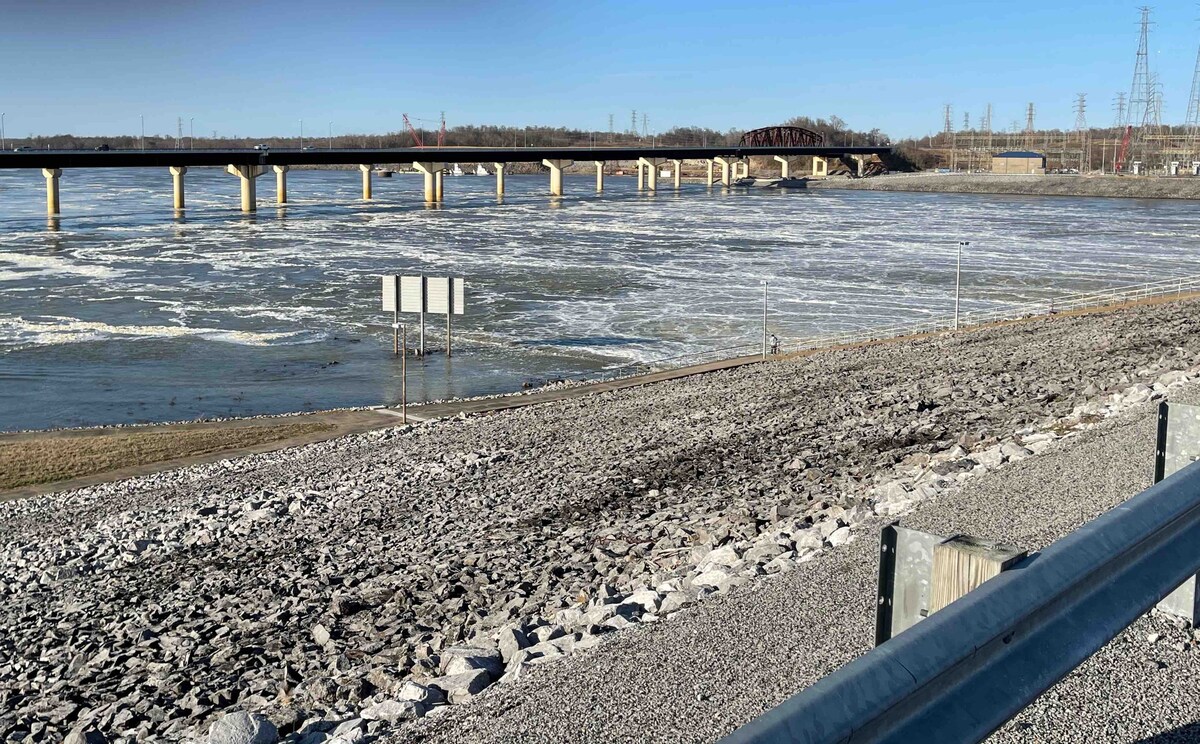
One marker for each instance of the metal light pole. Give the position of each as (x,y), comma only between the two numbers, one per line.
(331,135)
(142,117)
(192,133)
(302,134)
(764,327)
(958,280)
(3,144)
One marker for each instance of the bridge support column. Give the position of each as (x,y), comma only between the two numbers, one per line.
(785,166)
(678,173)
(177,172)
(820,166)
(281,172)
(744,169)
(439,184)
(859,164)
(499,178)
(726,167)
(641,177)
(599,176)
(432,172)
(651,165)
(52,175)
(556,175)
(247,174)
(366,178)
(708,183)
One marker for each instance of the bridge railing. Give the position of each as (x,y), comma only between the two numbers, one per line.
(965,670)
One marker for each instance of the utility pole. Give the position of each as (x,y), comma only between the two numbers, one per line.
(958,280)
(3,144)
(1029,112)
(331,135)
(142,117)
(764,325)
(192,133)
(610,129)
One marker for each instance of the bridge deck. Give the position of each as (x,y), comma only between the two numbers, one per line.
(294,156)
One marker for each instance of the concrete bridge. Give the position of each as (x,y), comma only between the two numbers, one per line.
(247,165)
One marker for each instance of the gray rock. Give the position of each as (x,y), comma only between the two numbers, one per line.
(459,688)
(395,710)
(242,728)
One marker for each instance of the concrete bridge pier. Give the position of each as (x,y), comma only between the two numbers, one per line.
(641,177)
(556,174)
(820,166)
(432,173)
(726,168)
(860,164)
(281,172)
(744,168)
(499,178)
(439,184)
(366,178)
(651,165)
(785,166)
(599,176)
(678,173)
(52,175)
(247,174)
(708,183)
(177,173)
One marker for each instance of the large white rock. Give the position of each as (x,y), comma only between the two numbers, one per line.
(394,710)
(242,728)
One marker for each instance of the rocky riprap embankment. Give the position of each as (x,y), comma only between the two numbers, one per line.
(1127,187)
(340,588)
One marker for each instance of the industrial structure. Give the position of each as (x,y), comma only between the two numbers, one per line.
(1137,143)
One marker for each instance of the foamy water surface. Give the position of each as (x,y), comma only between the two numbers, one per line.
(122,312)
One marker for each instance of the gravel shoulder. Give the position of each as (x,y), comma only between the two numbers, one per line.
(696,677)
(714,536)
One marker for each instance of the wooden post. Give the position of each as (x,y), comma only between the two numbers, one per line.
(962,563)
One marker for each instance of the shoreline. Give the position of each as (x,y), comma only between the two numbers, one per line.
(339,422)
(1113,187)
(445,560)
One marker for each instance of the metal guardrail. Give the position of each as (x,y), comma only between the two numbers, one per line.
(960,674)
(939,324)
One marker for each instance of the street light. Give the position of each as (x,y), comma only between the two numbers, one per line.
(3,146)
(302,134)
(142,117)
(331,135)
(958,280)
(764,328)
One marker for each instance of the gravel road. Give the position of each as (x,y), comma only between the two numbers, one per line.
(342,588)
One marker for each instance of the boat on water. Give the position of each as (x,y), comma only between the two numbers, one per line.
(456,171)
(481,171)
(383,172)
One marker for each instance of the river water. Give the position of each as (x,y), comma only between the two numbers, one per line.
(124,313)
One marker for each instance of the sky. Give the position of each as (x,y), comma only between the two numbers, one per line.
(255,69)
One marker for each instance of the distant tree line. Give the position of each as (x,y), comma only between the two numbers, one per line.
(834,129)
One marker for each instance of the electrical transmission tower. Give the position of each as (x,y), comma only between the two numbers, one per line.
(1080,113)
(633,122)
(1119,108)
(179,133)
(610,128)
(1193,112)
(645,125)
(966,120)
(1029,111)
(1140,112)
(947,125)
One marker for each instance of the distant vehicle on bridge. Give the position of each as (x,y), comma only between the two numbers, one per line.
(103,148)
(262,147)
(23,148)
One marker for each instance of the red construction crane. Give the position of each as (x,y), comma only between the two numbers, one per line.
(416,137)
(1123,153)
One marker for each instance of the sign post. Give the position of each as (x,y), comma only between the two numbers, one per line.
(404,376)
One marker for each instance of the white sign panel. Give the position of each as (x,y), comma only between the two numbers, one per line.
(391,290)
(412,294)
(420,294)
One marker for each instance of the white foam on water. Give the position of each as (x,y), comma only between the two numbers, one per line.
(49,331)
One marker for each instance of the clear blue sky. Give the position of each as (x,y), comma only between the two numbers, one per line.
(255,68)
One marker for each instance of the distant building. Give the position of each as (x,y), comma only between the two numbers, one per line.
(1019,162)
